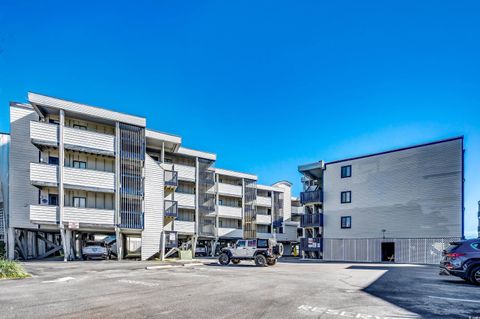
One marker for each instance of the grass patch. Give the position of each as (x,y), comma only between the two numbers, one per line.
(11,270)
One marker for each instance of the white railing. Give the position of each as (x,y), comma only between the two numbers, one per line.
(74,178)
(49,215)
(264,219)
(89,216)
(230,232)
(227,211)
(89,179)
(297,210)
(228,189)
(184,226)
(185,200)
(43,214)
(185,172)
(44,133)
(43,174)
(264,201)
(89,141)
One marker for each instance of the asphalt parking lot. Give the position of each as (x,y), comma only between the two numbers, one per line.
(110,289)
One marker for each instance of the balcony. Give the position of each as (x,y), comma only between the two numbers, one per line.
(228,211)
(131,220)
(311,220)
(311,197)
(46,134)
(74,178)
(171,179)
(185,227)
(311,244)
(170,208)
(46,214)
(229,190)
(264,201)
(185,173)
(297,210)
(264,219)
(185,200)
(264,235)
(230,232)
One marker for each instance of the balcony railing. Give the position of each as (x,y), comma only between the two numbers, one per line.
(171,208)
(311,244)
(311,220)
(264,201)
(311,197)
(229,211)
(171,179)
(264,219)
(131,220)
(229,189)
(278,222)
(47,214)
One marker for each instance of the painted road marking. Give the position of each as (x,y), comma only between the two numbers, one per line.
(348,314)
(455,299)
(63,279)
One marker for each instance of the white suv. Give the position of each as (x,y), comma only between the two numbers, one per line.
(263,251)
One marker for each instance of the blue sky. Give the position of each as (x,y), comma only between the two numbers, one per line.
(267,86)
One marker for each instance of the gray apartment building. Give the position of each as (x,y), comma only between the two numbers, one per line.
(77,171)
(402,205)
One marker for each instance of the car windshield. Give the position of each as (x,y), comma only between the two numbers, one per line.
(94,244)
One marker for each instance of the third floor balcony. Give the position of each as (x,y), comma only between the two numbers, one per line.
(311,197)
(311,220)
(46,134)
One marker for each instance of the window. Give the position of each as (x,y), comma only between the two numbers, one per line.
(241,243)
(79,164)
(79,202)
(252,243)
(476,246)
(346,197)
(80,127)
(52,121)
(220,202)
(346,171)
(346,222)
(53,160)
(239,224)
(53,199)
(263,243)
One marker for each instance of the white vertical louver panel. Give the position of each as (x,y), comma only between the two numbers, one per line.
(153,218)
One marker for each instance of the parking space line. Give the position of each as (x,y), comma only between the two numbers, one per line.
(455,299)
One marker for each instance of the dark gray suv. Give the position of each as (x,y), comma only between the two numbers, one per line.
(462,259)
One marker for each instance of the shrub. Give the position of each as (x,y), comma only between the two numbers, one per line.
(10,269)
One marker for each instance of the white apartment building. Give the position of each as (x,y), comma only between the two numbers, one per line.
(402,205)
(77,171)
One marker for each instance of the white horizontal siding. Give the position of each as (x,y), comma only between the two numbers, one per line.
(228,189)
(49,214)
(227,211)
(184,226)
(264,219)
(230,232)
(44,133)
(91,179)
(89,140)
(43,214)
(297,210)
(264,201)
(185,200)
(185,172)
(93,216)
(41,174)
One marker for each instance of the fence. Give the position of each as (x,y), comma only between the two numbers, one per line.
(407,250)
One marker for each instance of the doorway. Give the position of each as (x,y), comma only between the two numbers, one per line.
(388,252)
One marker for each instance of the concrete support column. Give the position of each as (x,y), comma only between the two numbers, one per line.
(11,243)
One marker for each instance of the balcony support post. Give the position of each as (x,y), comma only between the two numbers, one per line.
(163,152)
(61,190)
(197,209)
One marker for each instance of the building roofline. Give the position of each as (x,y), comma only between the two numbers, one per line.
(397,150)
(192,152)
(89,110)
(227,172)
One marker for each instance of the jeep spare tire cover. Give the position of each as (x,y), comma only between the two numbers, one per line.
(280,249)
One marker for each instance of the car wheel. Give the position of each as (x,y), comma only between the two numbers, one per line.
(272,262)
(475,275)
(235,261)
(223,259)
(260,260)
